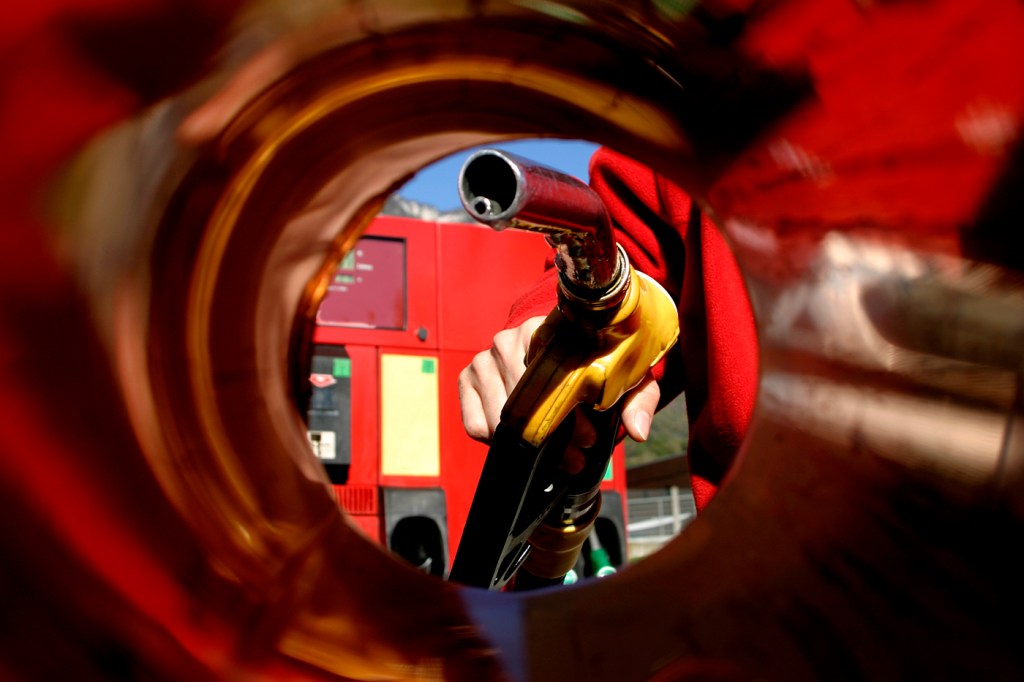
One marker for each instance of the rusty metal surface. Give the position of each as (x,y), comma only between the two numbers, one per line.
(163,517)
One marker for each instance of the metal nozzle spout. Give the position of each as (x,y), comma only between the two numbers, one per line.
(503,190)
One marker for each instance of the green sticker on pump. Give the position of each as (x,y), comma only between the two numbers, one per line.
(428,366)
(342,368)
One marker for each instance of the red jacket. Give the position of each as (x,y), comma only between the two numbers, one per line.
(715,361)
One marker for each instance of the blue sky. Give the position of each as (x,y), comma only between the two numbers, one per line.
(437,184)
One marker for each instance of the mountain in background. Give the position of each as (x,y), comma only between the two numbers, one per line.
(397,205)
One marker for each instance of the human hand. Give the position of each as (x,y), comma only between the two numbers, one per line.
(485,384)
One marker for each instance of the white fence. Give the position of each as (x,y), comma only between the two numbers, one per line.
(655,517)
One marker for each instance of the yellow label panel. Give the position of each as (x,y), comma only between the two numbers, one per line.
(410,425)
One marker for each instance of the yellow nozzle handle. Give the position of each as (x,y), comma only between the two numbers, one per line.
(571,366)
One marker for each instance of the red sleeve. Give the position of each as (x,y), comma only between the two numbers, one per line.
(715,361)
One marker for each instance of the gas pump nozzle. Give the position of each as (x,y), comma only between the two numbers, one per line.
(504,190)
(611,325)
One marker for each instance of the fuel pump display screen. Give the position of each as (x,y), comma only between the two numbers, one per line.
(369,289)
